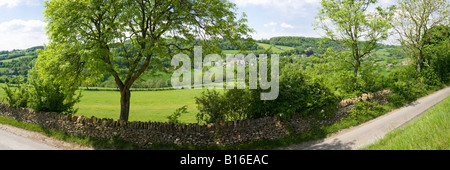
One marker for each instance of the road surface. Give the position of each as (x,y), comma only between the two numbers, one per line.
(10,141)
(369,132)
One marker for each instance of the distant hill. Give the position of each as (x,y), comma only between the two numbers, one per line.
(16,63)
(19,62)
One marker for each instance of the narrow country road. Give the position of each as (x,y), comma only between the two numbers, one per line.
(10,141)
(14,138)
(369,132)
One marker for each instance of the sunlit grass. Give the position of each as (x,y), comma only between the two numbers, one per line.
(145,105)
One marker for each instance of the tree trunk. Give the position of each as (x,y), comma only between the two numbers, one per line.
(419,61)
(355,70)
(418,68)
(125,103)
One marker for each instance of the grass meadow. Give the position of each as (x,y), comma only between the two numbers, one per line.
(145,105)
(275,48)
(152,106)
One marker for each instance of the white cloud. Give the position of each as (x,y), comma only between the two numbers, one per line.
(14,3)
(284,25)
(270,24)
(20,34)
(276,3)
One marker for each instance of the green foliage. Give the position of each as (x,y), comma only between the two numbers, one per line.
(52,98)
(337,76)
(140,34)
(439,60)
(346,84)
(54,80)
(298,94)
(51,84)
(407,85)
(16,96)
(437,44)
(211,106)
(174,117)
(17,63)
(225,44)
(371,78)
(414,19)
(430,78)
(404,85)
(233,104)
(301,45)
(364,111)
(349,22)
(238,103)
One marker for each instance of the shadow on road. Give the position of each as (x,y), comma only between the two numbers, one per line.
(336,144)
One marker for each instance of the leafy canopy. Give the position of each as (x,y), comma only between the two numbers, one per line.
(138,33)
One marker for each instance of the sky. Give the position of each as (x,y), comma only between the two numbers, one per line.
(22,21)
(272,18)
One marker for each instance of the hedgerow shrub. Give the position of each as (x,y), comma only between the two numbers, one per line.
(298,94)
(364,111)
(407,85)
(16,96)
(51,97)
(175,115)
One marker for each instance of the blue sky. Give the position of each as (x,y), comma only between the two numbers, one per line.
(22,21)
(21,24)
(280,17)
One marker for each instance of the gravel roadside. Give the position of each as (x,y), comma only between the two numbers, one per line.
(40,138)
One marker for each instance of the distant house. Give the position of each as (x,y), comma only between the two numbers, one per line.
(406,62)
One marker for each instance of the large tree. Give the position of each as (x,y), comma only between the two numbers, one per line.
(413,18)
(351,23)
(137,33)
(436,51)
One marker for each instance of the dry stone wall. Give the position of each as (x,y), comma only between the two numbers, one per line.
(147,133)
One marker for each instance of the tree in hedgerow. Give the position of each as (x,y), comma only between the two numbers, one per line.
(351,23)
(413,19)
(138,33)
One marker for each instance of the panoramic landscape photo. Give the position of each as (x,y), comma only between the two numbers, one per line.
(225,75)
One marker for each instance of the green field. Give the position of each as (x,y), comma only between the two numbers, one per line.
(18,58)
(428,132)
(276,48)
(230,51)
(145,105)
